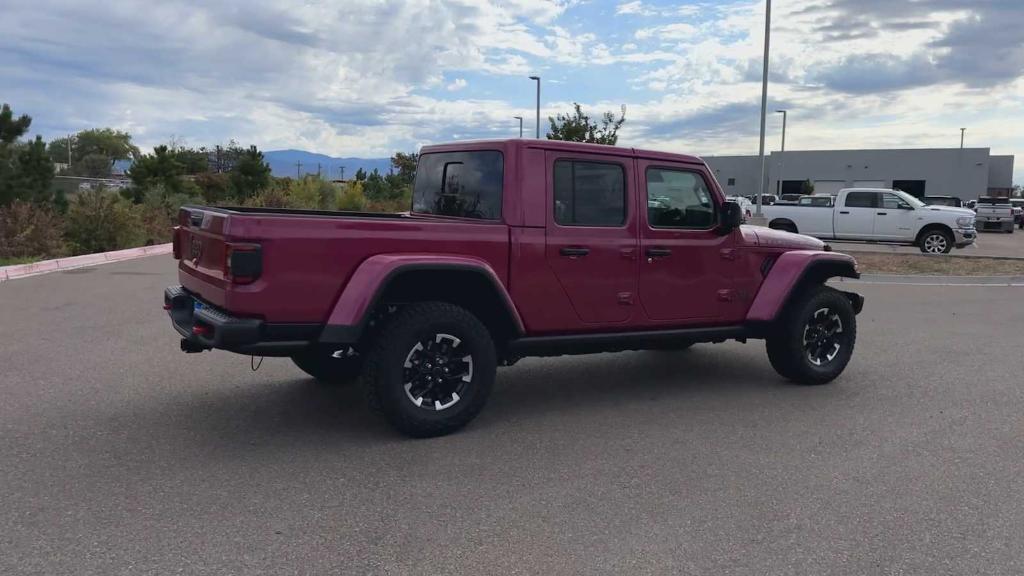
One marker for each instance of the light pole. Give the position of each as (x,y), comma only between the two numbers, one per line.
(782,153)
(537,78)
(520,118)
(764,101)
(962,130)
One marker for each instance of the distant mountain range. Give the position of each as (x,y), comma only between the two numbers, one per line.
(284,163)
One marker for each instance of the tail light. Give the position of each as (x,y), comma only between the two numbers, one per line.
(176,242)
(243,263)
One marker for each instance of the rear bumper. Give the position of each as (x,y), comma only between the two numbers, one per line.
(203,326)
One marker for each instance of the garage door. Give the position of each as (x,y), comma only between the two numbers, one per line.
(828,187)
(870,184)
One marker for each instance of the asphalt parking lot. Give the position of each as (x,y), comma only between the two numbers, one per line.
(121,455)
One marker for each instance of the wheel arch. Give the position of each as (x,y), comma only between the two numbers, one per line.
(464,281)
(792,274)
(930,227)
(784,224)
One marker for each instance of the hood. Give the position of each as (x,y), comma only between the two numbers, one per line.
(768,238)
(950,209)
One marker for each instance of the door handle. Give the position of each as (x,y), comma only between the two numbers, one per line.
(881,213)
(844,211)
(574,251)
(658,252)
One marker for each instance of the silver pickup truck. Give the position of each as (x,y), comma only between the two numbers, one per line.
(994,214)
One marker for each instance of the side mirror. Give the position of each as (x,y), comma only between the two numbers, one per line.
(730,218)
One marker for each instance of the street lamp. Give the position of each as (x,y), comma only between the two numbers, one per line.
(537,78)
(520,118)
(764,101)
(782,181)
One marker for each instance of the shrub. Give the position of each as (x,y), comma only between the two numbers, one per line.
(351,198)
(99,221)
(158,213)
(30,230)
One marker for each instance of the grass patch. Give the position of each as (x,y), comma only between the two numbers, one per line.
(21,260)
(871,263)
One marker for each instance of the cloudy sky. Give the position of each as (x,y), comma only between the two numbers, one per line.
(367,77)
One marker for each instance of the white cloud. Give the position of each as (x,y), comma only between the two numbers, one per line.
(634,7)
(457,84)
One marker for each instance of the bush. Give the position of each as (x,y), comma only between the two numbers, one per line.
(100,221)
(158,214)
(30,230)
(351,198)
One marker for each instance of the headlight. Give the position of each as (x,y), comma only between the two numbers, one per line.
(965,222)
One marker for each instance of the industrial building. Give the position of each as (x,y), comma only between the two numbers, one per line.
(967,173)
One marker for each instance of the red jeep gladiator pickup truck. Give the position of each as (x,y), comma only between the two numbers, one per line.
(512,248)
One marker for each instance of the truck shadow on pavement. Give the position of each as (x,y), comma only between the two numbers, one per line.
(304,411)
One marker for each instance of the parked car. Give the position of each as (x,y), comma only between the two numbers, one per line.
(766,199)
(971,204)
(879,215)
(512,248)
(995,214)
(822,200)
(1018,211)
(943,201)
(746,206)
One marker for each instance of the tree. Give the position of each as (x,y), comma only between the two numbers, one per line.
(159,168)
(33,172)
(250,174)
(577,127)
(807,188)
(406,165)
(25,170)
(108,143)
(99,221)
(375,188)
(11,129)
(360,175)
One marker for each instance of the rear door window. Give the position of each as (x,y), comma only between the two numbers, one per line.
(862,200)
(589,193)
(461,184)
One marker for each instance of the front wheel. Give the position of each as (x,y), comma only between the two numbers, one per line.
(431,369)
(936,242)
(813,342)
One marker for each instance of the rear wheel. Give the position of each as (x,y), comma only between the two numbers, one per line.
(936,242)
(330,366)
(431,370)
(813,342)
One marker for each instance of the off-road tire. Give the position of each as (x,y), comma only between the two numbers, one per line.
(326,367)
(385,371)
(786,343)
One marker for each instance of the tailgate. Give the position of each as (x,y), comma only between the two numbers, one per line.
(200,243)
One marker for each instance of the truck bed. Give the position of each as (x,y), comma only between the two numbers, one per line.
(309,255)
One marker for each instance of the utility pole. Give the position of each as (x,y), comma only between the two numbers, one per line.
(342,170)
(317,170)
(782,153)
(298,170)
(537,78)
(520,118)
(962,130)
(69,150)
(759,216)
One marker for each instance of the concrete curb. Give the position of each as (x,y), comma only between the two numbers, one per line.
(838,247)
(47,266)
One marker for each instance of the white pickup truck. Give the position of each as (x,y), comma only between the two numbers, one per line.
(878,215)
(995,214)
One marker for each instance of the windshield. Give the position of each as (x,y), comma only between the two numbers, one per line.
(909,199)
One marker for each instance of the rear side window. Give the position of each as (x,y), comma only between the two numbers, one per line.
(589,193)
(861,200)
(462,184)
